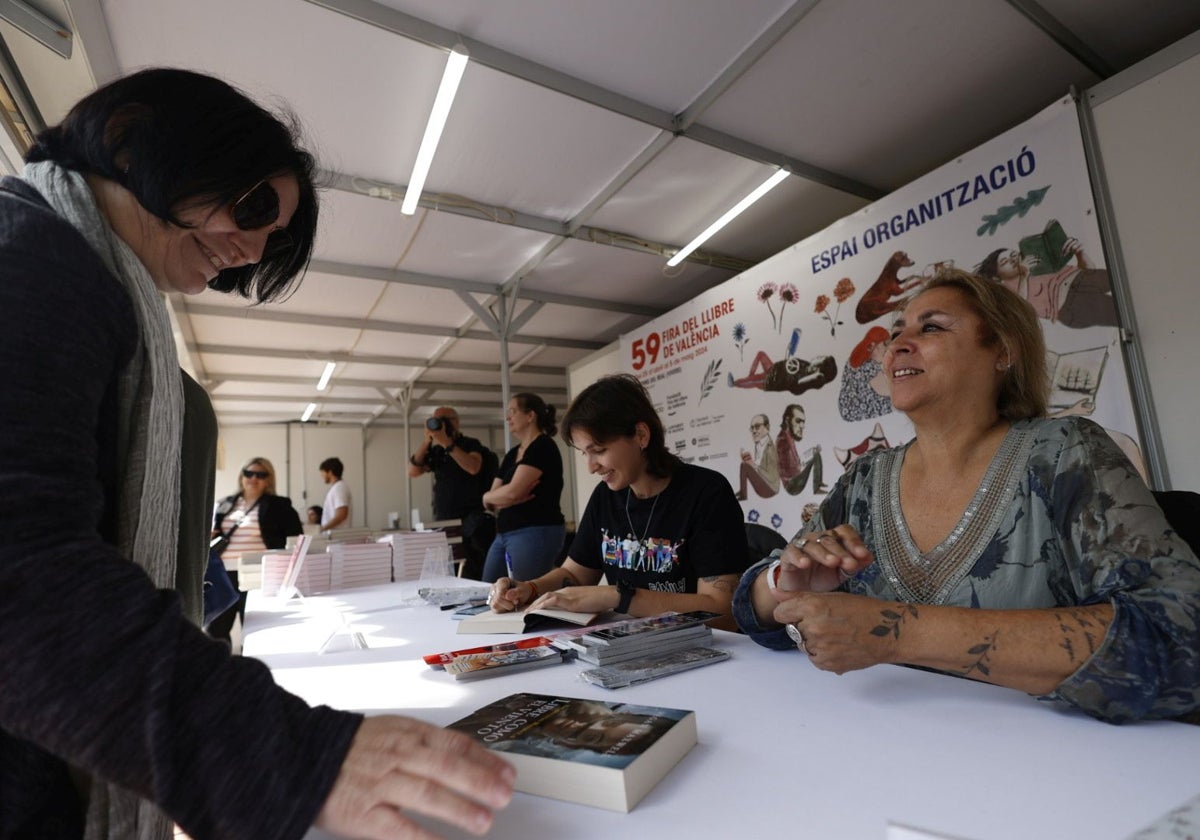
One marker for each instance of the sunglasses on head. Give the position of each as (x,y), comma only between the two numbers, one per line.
(255,474)
(258,208)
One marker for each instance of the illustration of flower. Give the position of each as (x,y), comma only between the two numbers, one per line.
(788,293)
(765,292)
(841,292)
(752,515)
(776,521)
(740,338)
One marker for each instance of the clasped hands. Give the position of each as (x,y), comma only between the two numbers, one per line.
(839,632)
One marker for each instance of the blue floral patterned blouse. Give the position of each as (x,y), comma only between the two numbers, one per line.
(1061,519)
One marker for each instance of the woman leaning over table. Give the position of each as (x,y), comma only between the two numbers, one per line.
(118,715)
(525,495)
(252,519)
(665,535)
(997,545)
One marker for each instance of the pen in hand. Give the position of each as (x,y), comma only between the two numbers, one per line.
(512,579)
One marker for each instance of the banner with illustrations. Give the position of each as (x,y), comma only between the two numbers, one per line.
(774,378)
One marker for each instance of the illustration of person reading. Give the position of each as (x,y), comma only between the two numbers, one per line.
(794,467)
(864,392)
(1075,294)
(793,374)
(760,468)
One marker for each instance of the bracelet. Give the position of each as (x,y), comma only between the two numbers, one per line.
(773,574)
(533,586)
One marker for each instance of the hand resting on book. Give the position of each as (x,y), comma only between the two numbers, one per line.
(397,765)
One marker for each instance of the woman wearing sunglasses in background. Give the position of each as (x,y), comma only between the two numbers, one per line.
(117,714)
(252,519)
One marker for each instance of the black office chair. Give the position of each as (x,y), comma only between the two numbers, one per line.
(761,541)
(1182,509)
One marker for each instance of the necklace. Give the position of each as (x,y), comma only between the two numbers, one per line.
(629,519)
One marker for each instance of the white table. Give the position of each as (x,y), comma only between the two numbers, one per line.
(785,749)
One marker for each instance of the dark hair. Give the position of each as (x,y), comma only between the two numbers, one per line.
(611,407)
(545,414)
(317,509)
(1010,321)
(785,422)
(332,465)
(990,267)
(178,139)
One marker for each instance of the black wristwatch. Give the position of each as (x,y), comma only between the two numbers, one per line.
(626,591)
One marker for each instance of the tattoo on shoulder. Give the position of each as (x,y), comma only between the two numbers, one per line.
(982,653)
(891,619)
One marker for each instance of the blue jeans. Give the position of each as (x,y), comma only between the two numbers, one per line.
(532,550)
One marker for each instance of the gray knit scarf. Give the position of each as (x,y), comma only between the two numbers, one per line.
(150,417)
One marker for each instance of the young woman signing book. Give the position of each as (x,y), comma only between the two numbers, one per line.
(665,536)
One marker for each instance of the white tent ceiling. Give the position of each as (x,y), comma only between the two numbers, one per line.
(588,142)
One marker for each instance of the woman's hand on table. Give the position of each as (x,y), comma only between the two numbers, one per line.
(397,765)
(843,632)
(821,561)
(583,599)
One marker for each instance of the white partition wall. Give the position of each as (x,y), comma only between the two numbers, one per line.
(1146,123)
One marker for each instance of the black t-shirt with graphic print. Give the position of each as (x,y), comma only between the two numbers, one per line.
(692,529)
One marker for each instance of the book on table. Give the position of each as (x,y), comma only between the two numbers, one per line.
(652,666)
(635,629)
(523,621)
(597,753)
(498,663)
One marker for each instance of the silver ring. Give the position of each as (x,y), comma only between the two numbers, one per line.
(794,634)
(800,543)
(490,597)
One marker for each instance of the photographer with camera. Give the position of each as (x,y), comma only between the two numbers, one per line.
(460,476)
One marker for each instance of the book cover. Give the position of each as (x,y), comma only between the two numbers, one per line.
(497,663)
(1046,249)
(559,639)
(653,667)
(522,622)
(602,754)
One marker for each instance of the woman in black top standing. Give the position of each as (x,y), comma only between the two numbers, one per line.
(525,495)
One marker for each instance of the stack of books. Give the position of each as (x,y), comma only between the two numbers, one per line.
(360,564)
(639,637)
(408,551)
(313,579)
(644,649)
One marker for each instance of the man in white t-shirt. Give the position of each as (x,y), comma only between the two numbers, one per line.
(336,512)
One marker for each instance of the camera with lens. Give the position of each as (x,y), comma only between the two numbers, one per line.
(435,423)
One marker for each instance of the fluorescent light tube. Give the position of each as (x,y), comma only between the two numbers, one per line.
(455,65)
(735,211)
(308,412)
(324,381)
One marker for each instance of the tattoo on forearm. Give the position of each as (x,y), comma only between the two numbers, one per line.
(1076,625)
(721,583)
(982,653)
(890,620)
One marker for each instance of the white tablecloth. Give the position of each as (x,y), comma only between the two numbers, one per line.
(786,750)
